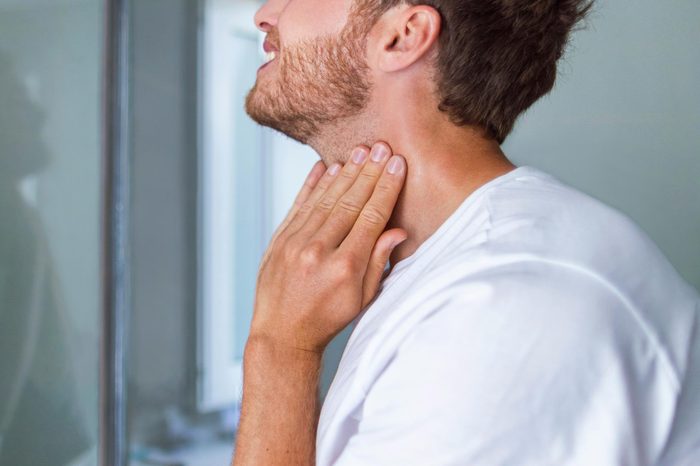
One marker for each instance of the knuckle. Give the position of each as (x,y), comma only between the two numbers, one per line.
(322,185)
(345,267)
(371,214)
(311,253)
(326,203)
(349,206)
(385,186)
(289,247)
(306,207)
(347,174)
(369,176)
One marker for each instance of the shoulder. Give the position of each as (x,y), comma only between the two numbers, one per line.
(521,302)
(566,313)
(520,358)
(539,226)
(474,316)
(539,214)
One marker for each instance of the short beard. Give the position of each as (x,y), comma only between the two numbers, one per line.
(318,82)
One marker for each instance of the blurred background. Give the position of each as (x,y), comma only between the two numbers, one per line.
(204,188)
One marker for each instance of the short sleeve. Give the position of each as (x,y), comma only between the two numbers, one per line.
(534,364)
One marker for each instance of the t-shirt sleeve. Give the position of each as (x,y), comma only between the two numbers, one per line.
(533,365)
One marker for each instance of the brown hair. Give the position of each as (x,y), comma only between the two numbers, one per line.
(495,57)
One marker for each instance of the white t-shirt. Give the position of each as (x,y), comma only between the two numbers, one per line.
(535,326)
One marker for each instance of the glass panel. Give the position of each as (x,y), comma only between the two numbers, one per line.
(165,424)
(50,62)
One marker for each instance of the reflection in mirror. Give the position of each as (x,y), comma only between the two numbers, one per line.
(33,335)
(49,156)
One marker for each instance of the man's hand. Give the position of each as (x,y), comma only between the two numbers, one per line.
(322,267)
(325,262)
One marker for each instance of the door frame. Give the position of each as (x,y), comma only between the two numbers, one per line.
(114,264)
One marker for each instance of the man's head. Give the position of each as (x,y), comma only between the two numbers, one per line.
(22,151)
(489,60)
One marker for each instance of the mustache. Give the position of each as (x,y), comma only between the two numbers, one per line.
(273,38)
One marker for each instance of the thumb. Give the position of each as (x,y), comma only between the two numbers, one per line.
(377,261)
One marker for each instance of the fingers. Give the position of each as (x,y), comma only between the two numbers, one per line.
(376,212)
(312,178)
(306,206)
(326,204)
(316,172)
(377,262)
(341,207)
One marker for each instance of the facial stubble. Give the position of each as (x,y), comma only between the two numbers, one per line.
(317,83)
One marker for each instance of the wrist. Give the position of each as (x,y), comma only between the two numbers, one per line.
(271,351)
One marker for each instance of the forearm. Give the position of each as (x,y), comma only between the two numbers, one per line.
(323,266)
(280,405)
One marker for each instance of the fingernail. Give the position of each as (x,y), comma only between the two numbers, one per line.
(334,169)
(395,165)
(359,155)
(315,171)
(379,152)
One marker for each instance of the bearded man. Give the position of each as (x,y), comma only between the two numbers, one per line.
(520,321)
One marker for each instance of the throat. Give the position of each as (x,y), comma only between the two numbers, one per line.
(336,140)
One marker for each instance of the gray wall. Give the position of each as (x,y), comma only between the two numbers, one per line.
(623,122)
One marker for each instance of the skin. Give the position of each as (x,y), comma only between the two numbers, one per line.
(325,261)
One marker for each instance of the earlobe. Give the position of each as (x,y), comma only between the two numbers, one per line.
(408,34)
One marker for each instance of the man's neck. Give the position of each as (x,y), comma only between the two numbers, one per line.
(445,164)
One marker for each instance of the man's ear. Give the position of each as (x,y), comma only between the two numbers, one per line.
(405,35)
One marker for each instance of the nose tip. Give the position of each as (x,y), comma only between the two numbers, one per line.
(264,26)
(265,19)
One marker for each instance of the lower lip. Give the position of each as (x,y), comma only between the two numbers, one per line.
(264,65)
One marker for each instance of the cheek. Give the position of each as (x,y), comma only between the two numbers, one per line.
(309,19)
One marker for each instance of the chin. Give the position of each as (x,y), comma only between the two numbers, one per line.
(264,109)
